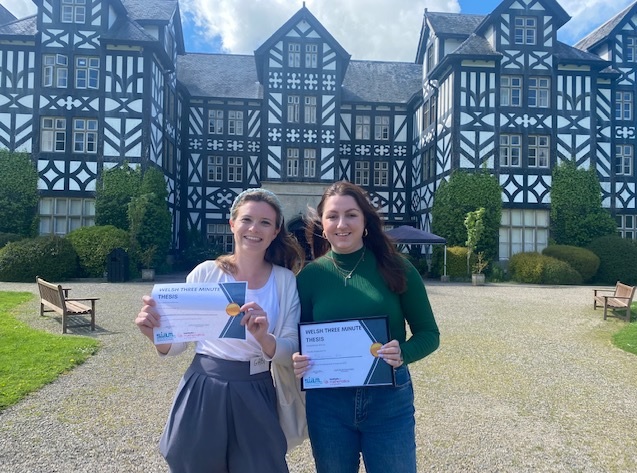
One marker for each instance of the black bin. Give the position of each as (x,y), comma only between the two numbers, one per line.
(117,265)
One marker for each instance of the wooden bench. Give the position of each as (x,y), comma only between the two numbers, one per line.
(54,298)
(619,300)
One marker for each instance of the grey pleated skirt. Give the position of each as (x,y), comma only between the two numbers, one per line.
(224,420)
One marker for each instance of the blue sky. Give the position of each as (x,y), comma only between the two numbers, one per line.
(367,29)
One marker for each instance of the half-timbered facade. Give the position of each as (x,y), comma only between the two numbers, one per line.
(90,84)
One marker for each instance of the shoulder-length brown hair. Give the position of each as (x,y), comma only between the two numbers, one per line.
(390,263)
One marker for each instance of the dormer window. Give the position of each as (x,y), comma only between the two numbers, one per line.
(525,30)
(73,11)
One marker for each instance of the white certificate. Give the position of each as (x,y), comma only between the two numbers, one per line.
(345,353)
(199,311)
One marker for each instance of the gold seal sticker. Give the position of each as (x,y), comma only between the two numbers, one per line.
(233,309)
(374,349)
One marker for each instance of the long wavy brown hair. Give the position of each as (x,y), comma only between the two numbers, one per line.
(284,250)
(390,263)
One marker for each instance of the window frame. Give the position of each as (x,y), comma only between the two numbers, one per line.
(292,162)
(381,173)
(235,122)
(309,109)
(91,71)
(623,105)
(508,89)
(624,154)
(362,173)
(542,152)
(294,109)
(507,158)
(381,128)
(215,121)
(363,124)
(311,55)
(525,30)
(294,55)
(54,134)
(73,11)
(309,163)
(214,168)
(539,95)
(85,134)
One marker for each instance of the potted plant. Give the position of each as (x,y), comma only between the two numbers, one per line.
(477,276)
(147,259)
(475,226)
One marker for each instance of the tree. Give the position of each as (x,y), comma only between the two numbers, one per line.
(116,188)
(463,193)
(18,194)
(474,222)
(577,216)
(149,219)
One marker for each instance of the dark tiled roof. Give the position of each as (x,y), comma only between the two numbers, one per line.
(454,23)
(564,52)
(6,16)
(476,45)
(603,31)
(26,27)
(157,10)
(125,30)
(219,75)
(371,81)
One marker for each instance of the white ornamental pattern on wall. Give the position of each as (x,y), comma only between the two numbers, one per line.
(275,80)
(274,134)
(624,132)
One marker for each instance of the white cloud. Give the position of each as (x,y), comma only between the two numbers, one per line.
(588,15)
(367,29)
(19,8)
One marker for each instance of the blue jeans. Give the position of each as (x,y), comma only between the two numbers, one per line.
(377,422)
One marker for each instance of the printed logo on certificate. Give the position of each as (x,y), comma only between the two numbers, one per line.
(344,353)
(191,312)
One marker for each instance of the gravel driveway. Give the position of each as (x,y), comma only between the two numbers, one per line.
(525,380)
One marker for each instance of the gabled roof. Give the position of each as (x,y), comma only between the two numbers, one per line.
(155,11)
(445,25)
(302,15)
(570,55)
(219,75)
(478,47)
(6,16)
(125,30)
(453,24)
(381,82)
(20,28)
(551,6)
(605,30)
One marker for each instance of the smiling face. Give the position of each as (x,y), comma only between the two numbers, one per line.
(343,223)
(254,226)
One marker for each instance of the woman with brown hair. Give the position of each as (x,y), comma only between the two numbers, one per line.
(358,273)
(224,416)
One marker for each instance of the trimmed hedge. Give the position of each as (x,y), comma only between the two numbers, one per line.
(8,237)
(50,257)
(581,260)
(535,268)
(617,260)
(93,245)
(456,262)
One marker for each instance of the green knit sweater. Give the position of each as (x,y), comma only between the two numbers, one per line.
(324,297)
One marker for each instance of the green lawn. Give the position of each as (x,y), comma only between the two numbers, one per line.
(626,338)
(29,359)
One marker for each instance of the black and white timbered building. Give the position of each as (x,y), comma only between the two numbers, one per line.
(86,85)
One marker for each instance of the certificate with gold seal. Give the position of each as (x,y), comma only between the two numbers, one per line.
(198,311)
(344,353)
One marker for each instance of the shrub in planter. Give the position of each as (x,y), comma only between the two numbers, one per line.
(50,257)
(456,262)
(617,260)
(93,245)
(581,260)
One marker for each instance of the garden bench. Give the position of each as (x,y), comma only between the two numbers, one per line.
(619,300)
(54,298)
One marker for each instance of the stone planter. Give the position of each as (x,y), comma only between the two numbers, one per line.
(477,279)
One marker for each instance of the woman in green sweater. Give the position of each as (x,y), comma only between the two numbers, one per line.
(358,273)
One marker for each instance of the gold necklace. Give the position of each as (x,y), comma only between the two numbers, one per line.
(343,272)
